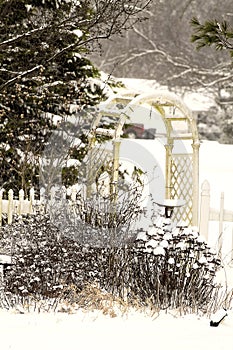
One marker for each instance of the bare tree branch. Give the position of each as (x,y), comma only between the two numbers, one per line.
(181,67)
(176,61)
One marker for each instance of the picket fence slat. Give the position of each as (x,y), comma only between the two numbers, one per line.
(208,214)
(204,209)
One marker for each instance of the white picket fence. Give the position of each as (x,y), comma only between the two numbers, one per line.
(216,221)
(11,205)
(22,205)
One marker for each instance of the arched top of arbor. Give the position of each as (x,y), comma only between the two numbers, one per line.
(182,167)
(160,100)
(122,106)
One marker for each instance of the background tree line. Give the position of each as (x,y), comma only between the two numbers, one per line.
(161,49)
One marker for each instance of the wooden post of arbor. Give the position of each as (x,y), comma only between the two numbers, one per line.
(115,169)
(168,147)
(90,175)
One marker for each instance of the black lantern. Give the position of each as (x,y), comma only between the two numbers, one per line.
(169,205)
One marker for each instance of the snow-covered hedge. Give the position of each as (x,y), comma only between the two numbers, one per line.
(44,261)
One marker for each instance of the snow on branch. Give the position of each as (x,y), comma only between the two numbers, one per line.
(22,36)
(20,76)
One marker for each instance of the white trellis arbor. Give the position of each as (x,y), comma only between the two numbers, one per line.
(182,163)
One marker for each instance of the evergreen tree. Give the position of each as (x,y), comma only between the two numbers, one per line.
(44,72)
(213,32)
(220,35)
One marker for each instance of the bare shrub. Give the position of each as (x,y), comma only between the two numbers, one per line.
(165,268)
(44,261)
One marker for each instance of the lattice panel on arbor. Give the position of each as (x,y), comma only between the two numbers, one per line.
(182,185)
(96,158)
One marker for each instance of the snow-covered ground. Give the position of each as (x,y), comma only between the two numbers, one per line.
(95,331)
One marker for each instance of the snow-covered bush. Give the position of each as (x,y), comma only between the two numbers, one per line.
(44,261)
(183,265)
(167,267)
